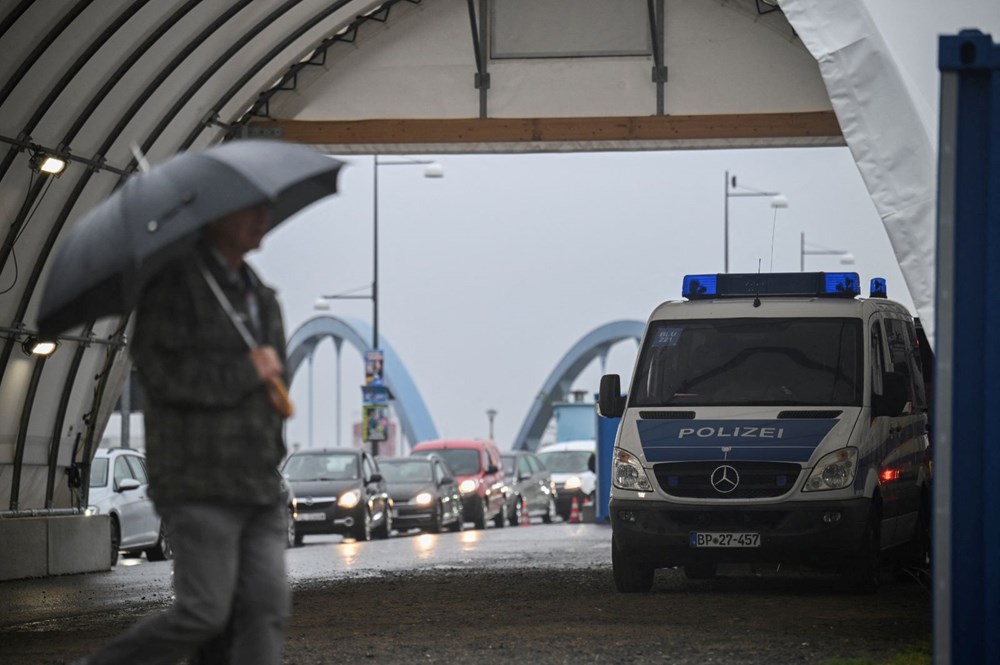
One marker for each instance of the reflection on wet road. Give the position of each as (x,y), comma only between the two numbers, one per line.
(140,583)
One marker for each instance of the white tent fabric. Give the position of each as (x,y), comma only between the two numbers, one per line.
(883,130)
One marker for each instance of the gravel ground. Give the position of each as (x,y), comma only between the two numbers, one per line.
(553,616)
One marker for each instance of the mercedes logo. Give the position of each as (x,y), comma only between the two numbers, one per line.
(725,479)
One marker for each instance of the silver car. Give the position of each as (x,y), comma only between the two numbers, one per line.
(119,488)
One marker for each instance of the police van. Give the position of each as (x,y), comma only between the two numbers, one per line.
(772,418)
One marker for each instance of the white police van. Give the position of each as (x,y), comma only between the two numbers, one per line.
(772,418)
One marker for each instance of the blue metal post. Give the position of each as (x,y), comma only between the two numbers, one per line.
(966,442)
(607,431)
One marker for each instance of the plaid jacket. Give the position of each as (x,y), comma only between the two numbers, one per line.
(210,432)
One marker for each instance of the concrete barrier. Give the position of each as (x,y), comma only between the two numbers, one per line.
(44,546)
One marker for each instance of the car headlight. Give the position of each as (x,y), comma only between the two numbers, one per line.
(423,499)
(349,499)
(92,510)
(833,471)
(573,482)
(629,474)
(468,486)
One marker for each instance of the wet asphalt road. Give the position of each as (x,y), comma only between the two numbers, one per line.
(137,583)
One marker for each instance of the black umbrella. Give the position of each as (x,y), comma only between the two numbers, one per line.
(108,256)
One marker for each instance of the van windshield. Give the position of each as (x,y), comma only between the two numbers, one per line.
(750,362)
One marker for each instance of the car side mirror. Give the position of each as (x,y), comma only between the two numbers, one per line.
(447,480)
(894,396)
(126,484)
(492,468)
(592,464)
(376,478)
(610,401)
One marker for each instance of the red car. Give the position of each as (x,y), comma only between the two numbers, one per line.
(479,471)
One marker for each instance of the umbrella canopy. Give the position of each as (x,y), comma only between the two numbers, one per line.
(107,257)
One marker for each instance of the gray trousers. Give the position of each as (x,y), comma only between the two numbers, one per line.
(229,560)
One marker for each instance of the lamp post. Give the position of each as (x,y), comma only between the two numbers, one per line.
(491,414)
(777,201)
(846,258)
(432,170)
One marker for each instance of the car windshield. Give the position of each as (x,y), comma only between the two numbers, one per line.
(415,471)
(99,472)
(462,461)
(316,466)
(750,362)
(566,461)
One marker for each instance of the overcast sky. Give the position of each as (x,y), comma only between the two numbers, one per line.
(489,275)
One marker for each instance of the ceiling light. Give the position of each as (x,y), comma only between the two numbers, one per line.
(39,347)
(45,163)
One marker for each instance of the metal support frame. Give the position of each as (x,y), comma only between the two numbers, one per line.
(967,373)
(657,39)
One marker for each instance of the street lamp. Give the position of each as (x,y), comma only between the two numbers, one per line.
(432,170)
(846,258)
(778,200)
(491,414)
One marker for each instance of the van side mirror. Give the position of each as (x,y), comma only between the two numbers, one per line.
(610,401)
(592,463)
(447,480)
(894,395)
(492,468)
(376,478)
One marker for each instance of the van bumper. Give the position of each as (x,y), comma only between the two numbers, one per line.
(817,533)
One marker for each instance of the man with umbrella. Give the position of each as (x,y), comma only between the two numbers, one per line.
(213,444)
(209,348)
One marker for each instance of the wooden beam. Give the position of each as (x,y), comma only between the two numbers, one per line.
(684,128)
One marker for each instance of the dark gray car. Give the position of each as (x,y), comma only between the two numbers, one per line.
(424,493)
(339,491)
(529,487)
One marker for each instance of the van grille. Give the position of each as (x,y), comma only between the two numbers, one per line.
(757,480)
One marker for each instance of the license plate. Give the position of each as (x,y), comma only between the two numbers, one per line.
(310,517)
(702,539)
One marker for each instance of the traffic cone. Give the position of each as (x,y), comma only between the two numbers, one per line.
(574,511)
(525,515)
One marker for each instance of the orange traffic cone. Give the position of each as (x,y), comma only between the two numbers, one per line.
(574,511)
(525,515)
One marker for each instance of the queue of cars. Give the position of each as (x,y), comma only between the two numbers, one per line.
(440,486)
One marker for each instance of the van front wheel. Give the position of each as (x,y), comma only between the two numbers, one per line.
(631,576)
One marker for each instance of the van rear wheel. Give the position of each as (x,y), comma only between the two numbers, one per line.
(631,575)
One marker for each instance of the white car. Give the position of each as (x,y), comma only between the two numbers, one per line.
(573,468)
(119,488)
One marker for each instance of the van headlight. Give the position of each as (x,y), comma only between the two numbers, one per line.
(629,474)
(349,499)
(834,471)
(573,482)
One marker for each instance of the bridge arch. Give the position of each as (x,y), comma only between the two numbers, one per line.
(414,418)
(594,344)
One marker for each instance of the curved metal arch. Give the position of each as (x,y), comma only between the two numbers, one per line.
(252,71)
(414,417)
(594,344)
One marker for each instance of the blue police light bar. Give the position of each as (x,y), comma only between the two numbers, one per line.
(877,289)
(745,285)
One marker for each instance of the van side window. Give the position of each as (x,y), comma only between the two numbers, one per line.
(916,368)
(902,359)
(878,362)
